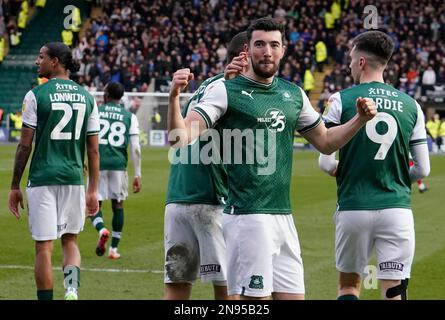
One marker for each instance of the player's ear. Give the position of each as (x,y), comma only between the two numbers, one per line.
(247,50)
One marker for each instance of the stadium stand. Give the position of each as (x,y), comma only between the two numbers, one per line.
(18,72)
(140,43)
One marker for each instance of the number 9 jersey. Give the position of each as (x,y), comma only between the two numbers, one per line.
(62,113)
(373,170)
(116,126)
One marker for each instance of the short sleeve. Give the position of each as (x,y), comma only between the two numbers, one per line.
(30,110)
(333,109)
(418,135)
(93,126)
(309,118)
(213,104)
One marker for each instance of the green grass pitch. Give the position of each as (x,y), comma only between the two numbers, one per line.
(138,274)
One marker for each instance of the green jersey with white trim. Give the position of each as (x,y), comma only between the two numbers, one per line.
(62,113)
(194,181)
(373,169)
(258,123)
(116,126)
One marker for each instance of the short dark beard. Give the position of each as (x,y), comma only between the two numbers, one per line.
(263,74)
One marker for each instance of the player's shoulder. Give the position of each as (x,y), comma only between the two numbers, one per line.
(40,88)
(215,78)
(288,85)
(208,84)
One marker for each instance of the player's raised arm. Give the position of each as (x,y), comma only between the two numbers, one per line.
(329,140)
(183,130)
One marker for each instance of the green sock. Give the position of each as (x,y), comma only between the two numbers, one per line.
(45,294)
(71,275)
(118,224)
(347,297)
(98,221)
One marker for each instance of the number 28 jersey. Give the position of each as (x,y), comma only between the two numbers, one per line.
(63,114)
(116,126)
(373,170)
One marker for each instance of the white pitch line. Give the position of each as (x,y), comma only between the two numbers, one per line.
(86,269)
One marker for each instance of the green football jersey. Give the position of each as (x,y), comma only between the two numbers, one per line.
(62,113)
(373,170)
(193,181)
(258,123)
(116,126)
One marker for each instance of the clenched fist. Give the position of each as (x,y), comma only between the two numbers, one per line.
(180,80)
(366,108)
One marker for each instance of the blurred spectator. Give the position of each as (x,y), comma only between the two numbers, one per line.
(67,37)
(428,80)
(433,127)
(14,38)
(308,82)
(321,54)
(16,120)
(168,38)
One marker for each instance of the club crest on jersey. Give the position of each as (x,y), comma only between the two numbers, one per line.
(256,282)
(287,96)
(274,119)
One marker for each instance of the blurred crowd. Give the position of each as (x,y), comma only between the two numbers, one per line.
(136,42)
(141,43)
(418,29)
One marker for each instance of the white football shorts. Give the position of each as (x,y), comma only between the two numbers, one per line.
(194,244)
(113,184)
(263,255)
(55,210)
(390,231)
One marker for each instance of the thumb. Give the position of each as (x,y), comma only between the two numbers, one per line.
(21,204)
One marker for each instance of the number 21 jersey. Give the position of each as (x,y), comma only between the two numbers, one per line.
(63,114)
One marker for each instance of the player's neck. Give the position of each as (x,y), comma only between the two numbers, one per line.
(372,77)
(253,76)
(59,75)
